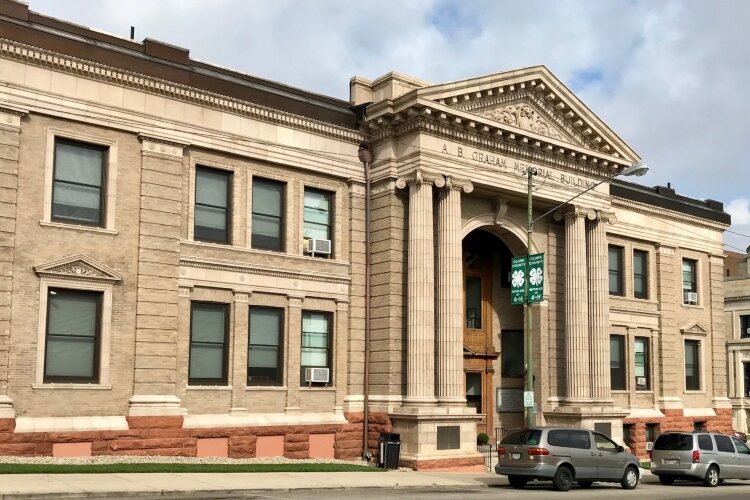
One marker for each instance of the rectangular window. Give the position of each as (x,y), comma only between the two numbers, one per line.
(264,350)
(209,353)
(212,205)
(474,391)
(78,183)
(745,326)
(746,391)
(692,365)
(689,283)
(474,302)
(615,270)
(73,336)
(316,342)
(642,368)
(512,353)
(640,274)
(268,215)
(617,362)
(317,215)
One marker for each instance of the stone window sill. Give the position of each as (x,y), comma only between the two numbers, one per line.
(260,388)
(319,389)
(91,229)
(87,387)
(209,388)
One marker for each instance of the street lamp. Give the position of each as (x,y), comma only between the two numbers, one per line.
(638,169)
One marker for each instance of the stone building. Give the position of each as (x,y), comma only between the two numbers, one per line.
(184,267)
(737,301)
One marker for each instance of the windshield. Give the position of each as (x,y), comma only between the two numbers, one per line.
(674,442)
(525,436)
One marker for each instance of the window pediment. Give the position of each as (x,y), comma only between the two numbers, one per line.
(79,268)
(694,329)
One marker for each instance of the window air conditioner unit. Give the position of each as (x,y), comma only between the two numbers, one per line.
(649,445)
(691,297)
(640,381)
(317,375)
(315,245)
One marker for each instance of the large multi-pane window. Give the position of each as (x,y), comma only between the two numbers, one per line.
(615,270)
(79,182)
(473,302)
(689,281)
(642,368)
(212,205)
(692,365)
(209,343)
(72,336)
(745,326)
(316,342)
(268,214)
(617,362)
(264,350)
(640,274)
(512,353)
(317,215)
(474,391)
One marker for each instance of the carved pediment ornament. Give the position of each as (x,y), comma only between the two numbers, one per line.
(78,268)
(525,117)
(693,329)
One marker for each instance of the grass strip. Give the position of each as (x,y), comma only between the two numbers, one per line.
(167,467)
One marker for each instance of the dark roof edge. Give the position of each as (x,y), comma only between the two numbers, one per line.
(666,197)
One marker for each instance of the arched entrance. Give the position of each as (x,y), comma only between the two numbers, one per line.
(493,332)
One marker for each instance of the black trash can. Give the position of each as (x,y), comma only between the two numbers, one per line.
(389,450)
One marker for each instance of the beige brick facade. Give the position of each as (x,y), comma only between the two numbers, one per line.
(449,167)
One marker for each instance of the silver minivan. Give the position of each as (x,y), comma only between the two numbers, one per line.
(703,456)
(564,456)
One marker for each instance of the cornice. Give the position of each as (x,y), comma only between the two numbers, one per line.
(664,213)
(130,79)
(275,273)
(741,298)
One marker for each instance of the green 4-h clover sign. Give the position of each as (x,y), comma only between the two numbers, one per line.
(520,272)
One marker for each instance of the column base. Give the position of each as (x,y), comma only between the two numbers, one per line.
(156,405)
(6,407)
(420,401)
(457,401)
(438,438)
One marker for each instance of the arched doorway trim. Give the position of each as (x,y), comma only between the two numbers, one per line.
(517,244)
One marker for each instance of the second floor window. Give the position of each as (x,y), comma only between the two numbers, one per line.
(209,332)
(642,368)
(473,301)
(745,326)
(212,205)
(78,186)
(317,215)
(617,362)
(689,282)
(264,352)
(268,215)
(640,274)
(692,365)
(615,270)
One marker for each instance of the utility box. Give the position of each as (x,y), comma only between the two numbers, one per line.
(389,450)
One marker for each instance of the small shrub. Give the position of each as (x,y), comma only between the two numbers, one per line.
(483,438)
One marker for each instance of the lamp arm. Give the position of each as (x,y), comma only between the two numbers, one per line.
(545,214)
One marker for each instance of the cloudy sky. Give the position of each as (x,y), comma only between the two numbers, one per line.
(670,77)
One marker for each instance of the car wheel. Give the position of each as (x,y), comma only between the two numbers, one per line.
(563,478)
(712,477)
(630,478)
(666,480)
(517,482)
(585,484)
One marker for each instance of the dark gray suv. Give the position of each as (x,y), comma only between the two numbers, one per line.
(564,456)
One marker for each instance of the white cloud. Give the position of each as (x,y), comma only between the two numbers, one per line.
(670,75)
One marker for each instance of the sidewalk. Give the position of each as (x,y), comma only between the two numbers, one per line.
(185,485)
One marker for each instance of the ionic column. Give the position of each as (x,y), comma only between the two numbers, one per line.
(577,373)
(598,282)
(420,329)
(450,380)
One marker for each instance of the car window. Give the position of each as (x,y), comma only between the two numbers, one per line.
(724,443)
(674,442)
(580,439)
(559,438)
(705,442)
(741,447)
(603,443)
(524,437)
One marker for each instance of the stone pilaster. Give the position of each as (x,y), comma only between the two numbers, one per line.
(598,305)
(341,353)
(10,136)
(669,285)
(577,370)
(292,347)
(420,363)
(158,269)
(450,379)
(239,339)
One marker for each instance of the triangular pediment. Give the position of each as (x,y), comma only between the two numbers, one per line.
(534,100)
(693,329)
(79,268)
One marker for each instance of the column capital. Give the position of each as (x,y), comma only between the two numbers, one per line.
(295,300)
(418,177)
(241,297)
(606,217)
(160,146)
(10,116)
(574,211)
(453,183)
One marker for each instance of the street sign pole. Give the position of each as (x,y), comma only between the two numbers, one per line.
(530,172)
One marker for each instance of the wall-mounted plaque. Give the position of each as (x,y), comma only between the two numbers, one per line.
(509,400)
